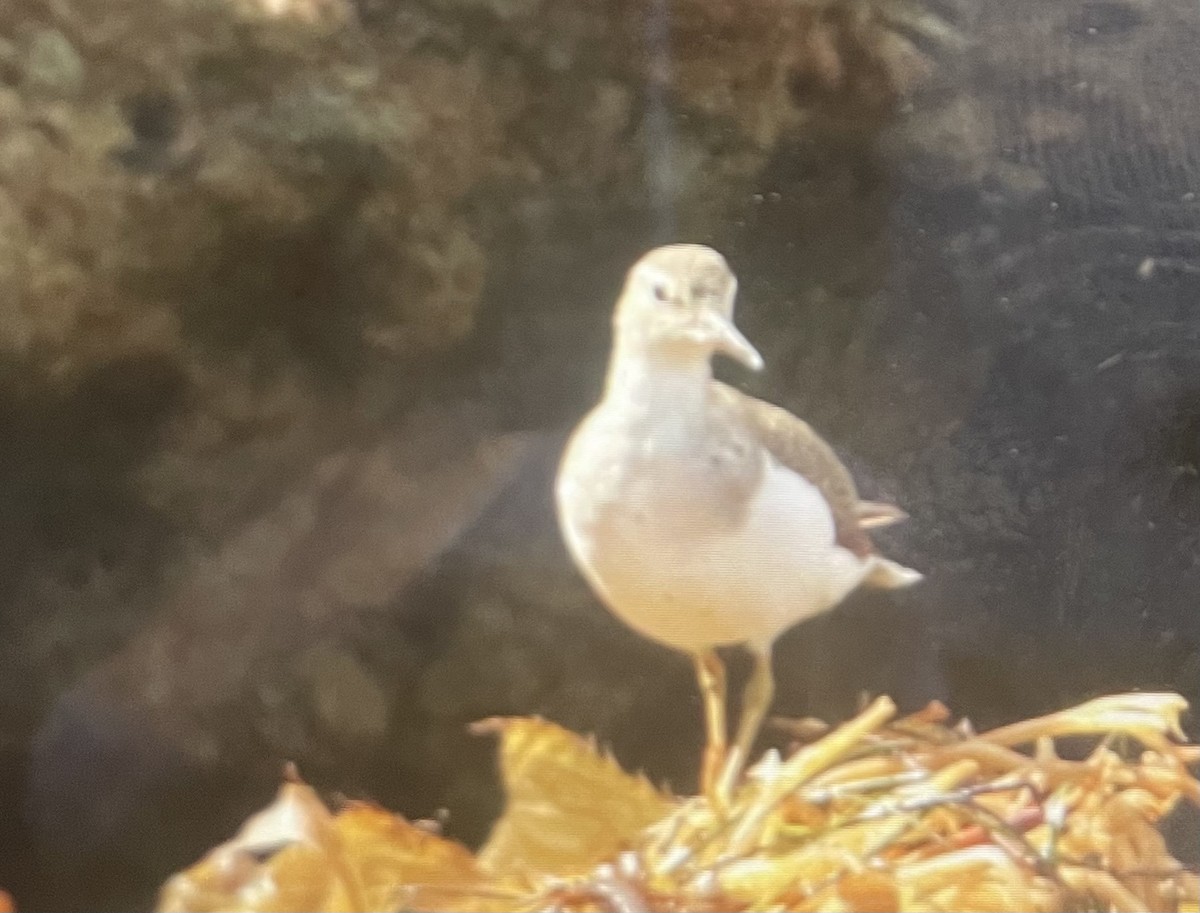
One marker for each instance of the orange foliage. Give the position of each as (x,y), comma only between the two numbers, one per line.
(877,814)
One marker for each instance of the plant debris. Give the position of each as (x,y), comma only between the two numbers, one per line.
(878,814)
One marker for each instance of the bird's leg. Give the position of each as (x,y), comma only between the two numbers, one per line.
(710,672)
(756,701)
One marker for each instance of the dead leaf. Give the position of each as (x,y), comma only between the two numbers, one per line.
(908,816)
(295,855)
(279,860)
(569,807)
(393,859)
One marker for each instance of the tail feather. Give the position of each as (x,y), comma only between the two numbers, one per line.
(877,514)
(888,575)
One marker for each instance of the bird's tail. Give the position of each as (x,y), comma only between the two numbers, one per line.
(878,514)
(888,575)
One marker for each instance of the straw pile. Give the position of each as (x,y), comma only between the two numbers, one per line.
(878,814)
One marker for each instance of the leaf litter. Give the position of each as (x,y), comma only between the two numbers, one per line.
(880,813)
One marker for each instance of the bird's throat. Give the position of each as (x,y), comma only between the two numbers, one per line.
(665,388)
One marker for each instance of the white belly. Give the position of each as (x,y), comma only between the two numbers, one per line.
(693,584)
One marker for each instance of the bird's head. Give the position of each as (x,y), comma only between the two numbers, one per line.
(678,304)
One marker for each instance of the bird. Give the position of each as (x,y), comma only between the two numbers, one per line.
(700,516)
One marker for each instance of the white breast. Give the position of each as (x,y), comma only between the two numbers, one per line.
(679,574)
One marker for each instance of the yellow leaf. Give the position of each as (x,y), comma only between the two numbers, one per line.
(395,860)
(568,807)
(295,855)
(279,860)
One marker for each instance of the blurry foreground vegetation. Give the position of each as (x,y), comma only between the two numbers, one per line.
(878,814)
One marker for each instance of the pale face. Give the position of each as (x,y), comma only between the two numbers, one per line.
(678,303)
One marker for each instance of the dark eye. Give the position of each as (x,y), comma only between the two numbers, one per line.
(661,292)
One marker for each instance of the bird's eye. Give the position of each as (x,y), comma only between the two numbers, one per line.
(661,292)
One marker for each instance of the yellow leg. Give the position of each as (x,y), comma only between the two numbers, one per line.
(756,701)
(710,672)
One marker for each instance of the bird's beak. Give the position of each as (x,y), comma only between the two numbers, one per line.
(727,339)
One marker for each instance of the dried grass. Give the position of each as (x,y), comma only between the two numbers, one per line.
(877,814)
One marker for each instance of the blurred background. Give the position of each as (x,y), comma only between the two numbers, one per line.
(299,299)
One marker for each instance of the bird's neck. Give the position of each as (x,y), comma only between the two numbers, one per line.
(662,385)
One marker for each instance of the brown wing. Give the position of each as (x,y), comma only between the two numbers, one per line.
(798,447)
